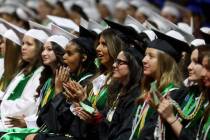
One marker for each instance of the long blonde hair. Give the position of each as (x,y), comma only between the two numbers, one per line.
(167,72)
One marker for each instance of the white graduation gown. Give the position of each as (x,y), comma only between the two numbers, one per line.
(26,104)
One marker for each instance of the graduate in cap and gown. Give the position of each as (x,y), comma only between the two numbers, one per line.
(155,88)
(18,100)
(56,116)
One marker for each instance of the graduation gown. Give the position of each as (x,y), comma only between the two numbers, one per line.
(23,104)
(121,124)
(147,133)
(191,127)
(58,118)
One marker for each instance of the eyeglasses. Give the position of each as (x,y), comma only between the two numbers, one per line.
(120,62)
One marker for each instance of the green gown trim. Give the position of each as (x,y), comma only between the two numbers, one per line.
(17,92)
(137,131)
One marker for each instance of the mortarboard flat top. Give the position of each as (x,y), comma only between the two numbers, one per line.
(59,39)
(164,46)
(127,30)
(130,21)
(37,34)
(128,34)
(64,22)
(18,30)
(83,32)
(34,25)
(206,34)
(56,30)
(177,45)
(83,22)
(171,26)
(3,29)
(12,36)
(94,26)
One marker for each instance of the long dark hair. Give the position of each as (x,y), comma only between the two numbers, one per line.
(135,66)
(114,44)
(48,72)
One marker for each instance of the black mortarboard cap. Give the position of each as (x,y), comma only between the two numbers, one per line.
(83,32)
(87,44)
(164,46)
(128,34)
(178,45)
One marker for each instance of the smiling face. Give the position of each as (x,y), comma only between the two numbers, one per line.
(120,68)
(103,53)
(28,50)
(194,68)
(48,55)
(206,72)
(150,62)
(72,57)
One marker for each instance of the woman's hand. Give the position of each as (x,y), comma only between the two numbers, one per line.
(83,115)
(16,122)
(74,91)
(62,75)
(165,109)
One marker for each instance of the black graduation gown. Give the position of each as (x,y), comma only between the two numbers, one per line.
(191,132)
(147,133)
(58,118)
(121,125)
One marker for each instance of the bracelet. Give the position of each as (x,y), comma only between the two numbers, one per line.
(173,121)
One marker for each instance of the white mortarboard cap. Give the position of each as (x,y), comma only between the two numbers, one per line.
(145,10)
(181,9)
(198,42)
(82,3)
(205,30)
(19,31)
(160,25)
(109,4)
(152,7)
(135,3)
(56,30)
(121,5)
(34,25)
(166,25)
(12,36)
(92,12)
(176,35)
(64,22)
(52,2)
(39,35)
(33,4)
(9,9)
(94,26)
(132,22)
(152,36)
(185,27)
(171,10)
(83,22)
(59,39)
(25,13)
(3,29)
